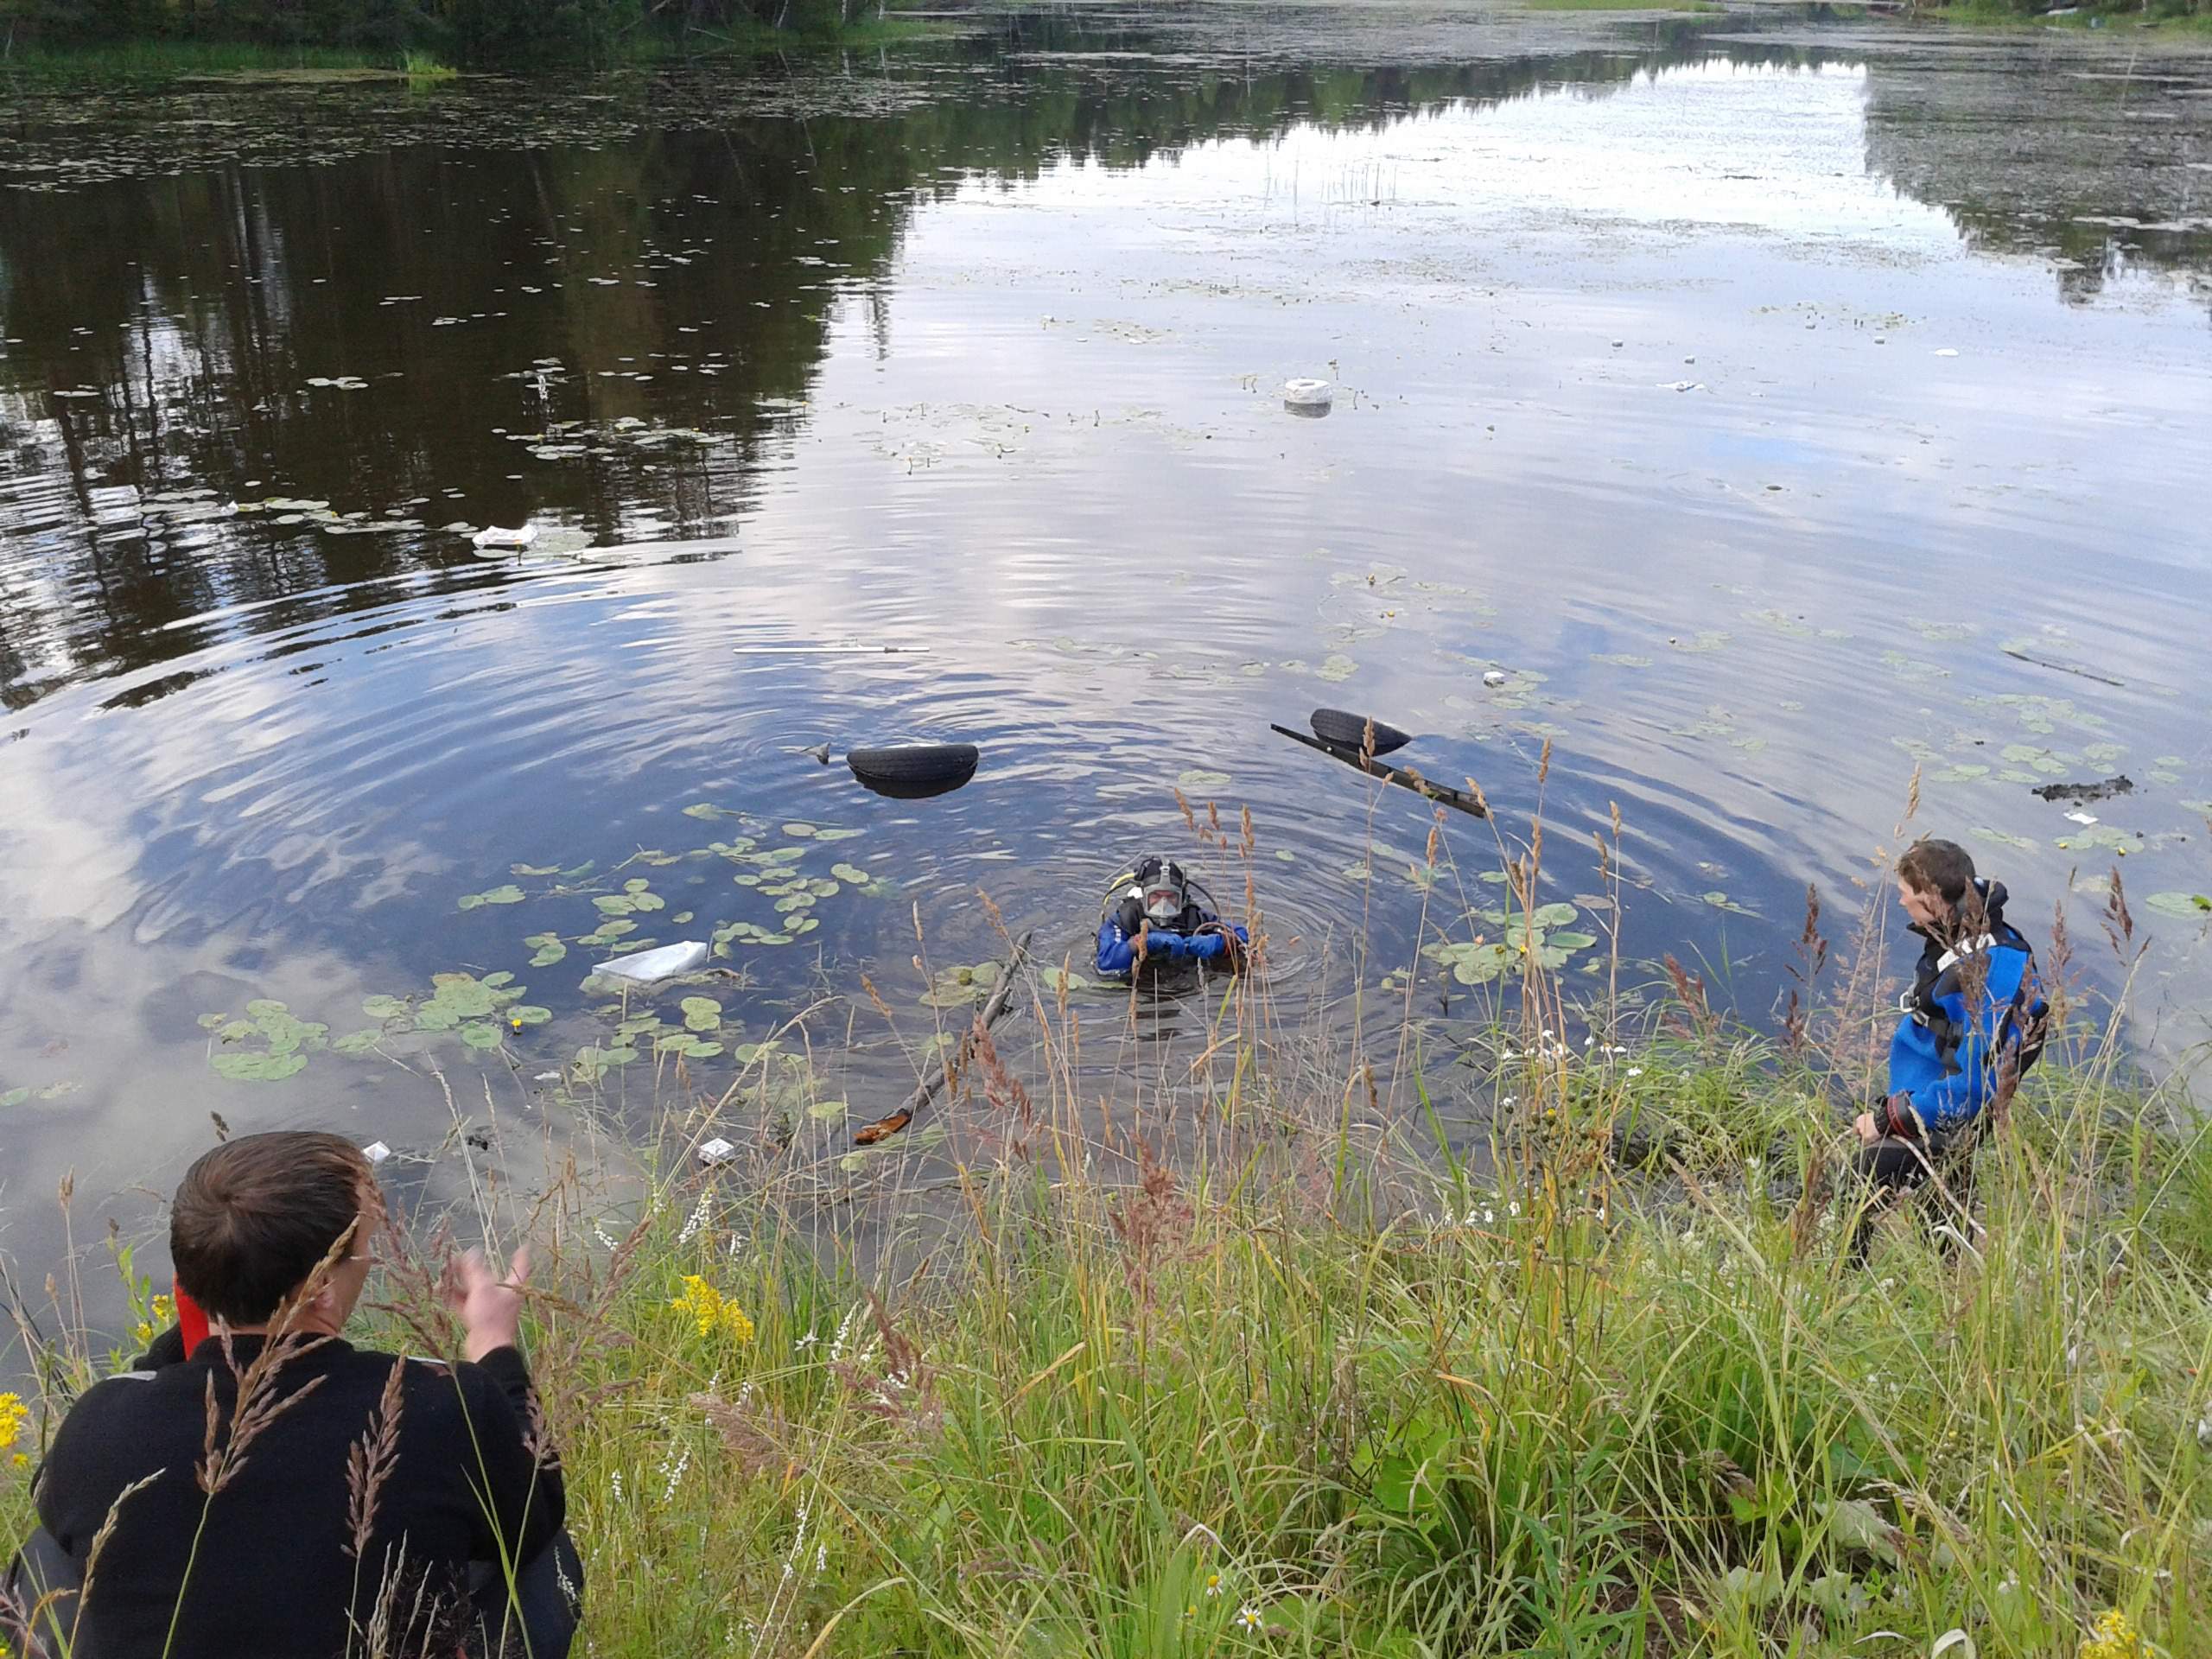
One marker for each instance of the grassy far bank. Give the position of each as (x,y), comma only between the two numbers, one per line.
(1220,1355)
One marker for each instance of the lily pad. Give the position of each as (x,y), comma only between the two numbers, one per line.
(507,894)
(2194,905)
(549,947)
(1200,778)
(259,1066)
(701,1013)
(477,1034)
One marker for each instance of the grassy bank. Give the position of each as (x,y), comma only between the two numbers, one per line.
(162,60)
(2181,22)
(1266,1344)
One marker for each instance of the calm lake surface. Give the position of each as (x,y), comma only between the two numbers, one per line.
(1782,406)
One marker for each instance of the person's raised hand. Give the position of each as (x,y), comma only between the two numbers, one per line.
(488,1307)
(1864,1123)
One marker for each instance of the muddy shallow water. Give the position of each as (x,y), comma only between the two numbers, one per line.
(1781,407)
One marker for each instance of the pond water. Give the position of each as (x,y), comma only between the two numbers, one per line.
(1783,406)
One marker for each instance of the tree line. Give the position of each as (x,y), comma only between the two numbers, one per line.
(467,32)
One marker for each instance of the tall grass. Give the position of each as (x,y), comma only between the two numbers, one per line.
(1267,1341)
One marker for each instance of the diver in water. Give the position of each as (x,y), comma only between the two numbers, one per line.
(1154,913)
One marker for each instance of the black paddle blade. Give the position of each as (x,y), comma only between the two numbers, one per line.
(1349,731)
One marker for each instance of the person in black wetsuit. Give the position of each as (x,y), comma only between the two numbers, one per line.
(271,1236)
(1153,912)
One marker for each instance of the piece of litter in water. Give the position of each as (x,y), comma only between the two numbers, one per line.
(717,1151)
(1946,351)
(493,536)
(1685,386)
(376,1151)
(2081,817)
(1494,676)
(646,966)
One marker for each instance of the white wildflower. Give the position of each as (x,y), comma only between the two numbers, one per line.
(698,1219)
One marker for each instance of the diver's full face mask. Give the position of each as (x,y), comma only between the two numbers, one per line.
(1164,895)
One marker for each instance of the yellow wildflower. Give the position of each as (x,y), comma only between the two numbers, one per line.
(14,1413)
(160,1312)
(2114,1636)
(711,1311)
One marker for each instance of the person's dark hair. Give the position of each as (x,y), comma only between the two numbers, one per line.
(253,1218)
(1942,866)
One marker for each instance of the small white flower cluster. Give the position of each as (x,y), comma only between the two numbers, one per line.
(675,1473)
(799,1547)
(699,1212)
(844,1329)
(601,1234)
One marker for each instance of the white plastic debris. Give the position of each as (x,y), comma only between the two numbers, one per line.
(716,1151)
(646,966)
(2079,817)
(376,1151)
(493,536)
(1946,351)
(1307,394)
(1494,676)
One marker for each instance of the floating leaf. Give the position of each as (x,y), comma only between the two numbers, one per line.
(701,809)
(383,1007)
(550,949)
(1198,777)
(1554,915)
(528,1014)
(533,869)
(507,894)
(2194,905)
(800,831)
(260,1067)
(14,1098)
(837,835)
(1338,667)
(701,1013)
(477,1034)
(827,1109)
(356,1042)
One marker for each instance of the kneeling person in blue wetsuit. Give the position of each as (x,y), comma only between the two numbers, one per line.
(1152,913)
(1972,1022)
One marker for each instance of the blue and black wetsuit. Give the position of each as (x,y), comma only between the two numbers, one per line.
(1198,935)
(1973,1021)
(1975,1014)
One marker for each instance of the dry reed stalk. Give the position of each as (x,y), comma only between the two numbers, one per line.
(370,1461)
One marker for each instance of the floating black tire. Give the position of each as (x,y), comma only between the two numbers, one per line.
(915,771)
(1349,731)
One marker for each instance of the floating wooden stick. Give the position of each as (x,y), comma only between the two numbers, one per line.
(830,650)
(1404,778)
(942,1069)
(2063,668)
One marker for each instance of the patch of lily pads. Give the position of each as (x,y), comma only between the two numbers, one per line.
(1542,936)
